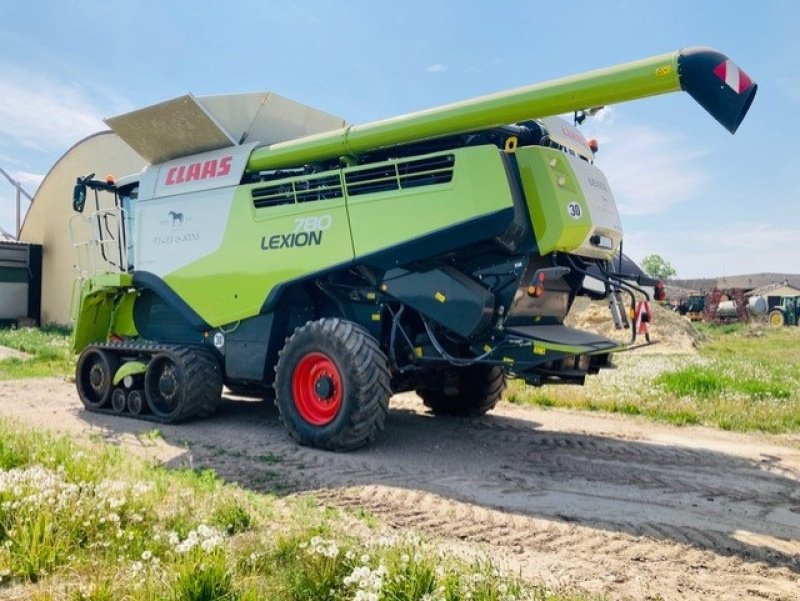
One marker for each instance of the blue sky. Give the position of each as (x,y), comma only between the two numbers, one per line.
(709,202)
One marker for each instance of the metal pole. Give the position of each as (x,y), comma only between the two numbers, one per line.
(20,193)
(19,209)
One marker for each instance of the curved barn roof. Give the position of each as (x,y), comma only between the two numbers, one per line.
(48,218)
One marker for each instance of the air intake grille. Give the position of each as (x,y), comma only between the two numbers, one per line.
(398,176)
(326,187)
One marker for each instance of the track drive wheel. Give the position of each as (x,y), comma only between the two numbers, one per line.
(777,319)
(94,375)
(332,385)
(467,391)
(182,383)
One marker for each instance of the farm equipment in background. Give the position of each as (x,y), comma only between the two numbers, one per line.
(725,306)
(693,307)
(787,313)
(437,252)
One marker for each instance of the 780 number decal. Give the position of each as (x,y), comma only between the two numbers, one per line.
(307,232)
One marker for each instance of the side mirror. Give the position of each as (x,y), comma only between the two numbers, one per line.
(79,193)
(79,196)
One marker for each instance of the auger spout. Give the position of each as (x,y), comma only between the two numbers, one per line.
(713,80)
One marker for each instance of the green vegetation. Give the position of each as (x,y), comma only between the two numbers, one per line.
(49,347)
(746,377)
(656,266)
(87,523)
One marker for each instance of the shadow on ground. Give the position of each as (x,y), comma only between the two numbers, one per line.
(686,495)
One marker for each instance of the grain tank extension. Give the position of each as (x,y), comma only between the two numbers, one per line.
(332,266)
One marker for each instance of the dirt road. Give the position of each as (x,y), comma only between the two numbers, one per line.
(604,503)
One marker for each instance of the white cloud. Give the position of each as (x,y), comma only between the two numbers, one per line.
(436,68)
(45,113)
(650,171)
(29,181)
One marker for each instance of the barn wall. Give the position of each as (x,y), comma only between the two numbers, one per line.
(48,219)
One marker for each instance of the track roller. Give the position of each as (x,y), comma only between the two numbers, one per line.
(118,402)
(135,402)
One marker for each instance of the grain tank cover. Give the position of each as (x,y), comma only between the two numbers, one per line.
(268,118)
(170,129)
(188,125)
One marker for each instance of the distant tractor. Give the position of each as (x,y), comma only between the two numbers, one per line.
(786,313)
(693,307)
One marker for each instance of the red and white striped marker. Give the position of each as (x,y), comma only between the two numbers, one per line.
(641,319)
(733,76)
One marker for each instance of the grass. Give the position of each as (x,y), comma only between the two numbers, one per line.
(49,346)
(745,378)
(86,523)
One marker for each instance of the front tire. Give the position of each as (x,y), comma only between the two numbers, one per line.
(466,391)
(777,319)
(332,385)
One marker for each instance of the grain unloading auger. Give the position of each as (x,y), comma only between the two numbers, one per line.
(438,251)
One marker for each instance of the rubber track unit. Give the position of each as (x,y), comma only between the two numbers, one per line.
(480,388)
(364,369)
(202,375)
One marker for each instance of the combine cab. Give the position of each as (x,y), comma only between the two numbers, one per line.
(438,252)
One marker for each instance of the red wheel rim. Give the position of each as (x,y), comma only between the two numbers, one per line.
(317,389)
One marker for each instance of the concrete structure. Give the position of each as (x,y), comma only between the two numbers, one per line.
(47,221)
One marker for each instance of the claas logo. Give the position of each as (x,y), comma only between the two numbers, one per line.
(198,171)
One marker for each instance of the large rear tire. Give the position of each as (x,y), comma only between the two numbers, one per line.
(466,391)
(332,385)
(182,383)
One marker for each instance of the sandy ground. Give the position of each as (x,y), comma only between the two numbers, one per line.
(670,332)
(10,353)
(604,503)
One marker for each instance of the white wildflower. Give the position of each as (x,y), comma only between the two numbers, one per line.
(321,546)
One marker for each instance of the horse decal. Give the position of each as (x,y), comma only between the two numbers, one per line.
(177,219)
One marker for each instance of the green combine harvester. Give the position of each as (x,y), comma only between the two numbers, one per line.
(437,252)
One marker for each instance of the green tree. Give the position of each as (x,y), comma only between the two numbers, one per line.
(657,267)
